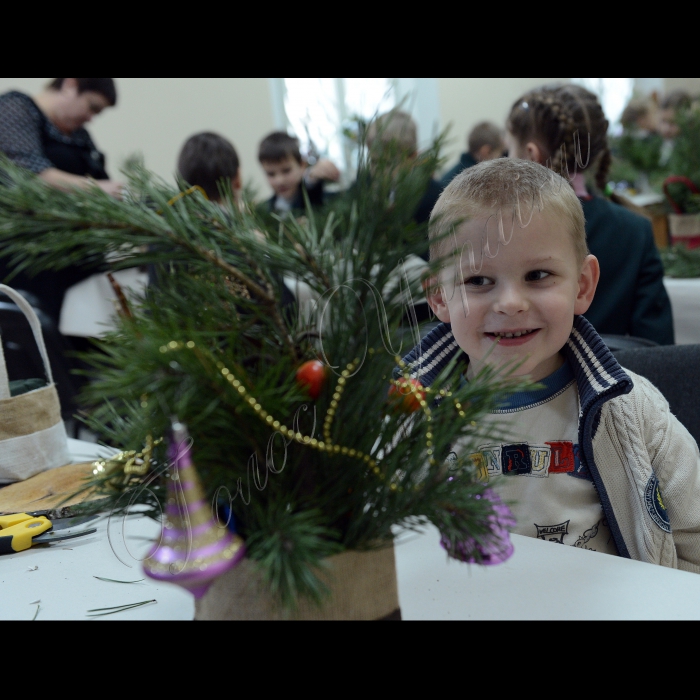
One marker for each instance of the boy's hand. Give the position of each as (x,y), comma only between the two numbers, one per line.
(324,170)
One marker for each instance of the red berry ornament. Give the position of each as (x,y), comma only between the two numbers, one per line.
(406,395)
(312,377)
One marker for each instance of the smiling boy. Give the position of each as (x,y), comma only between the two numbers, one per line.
(289,175)
(595,459)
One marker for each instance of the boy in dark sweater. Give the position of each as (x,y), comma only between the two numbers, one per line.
(289,175)
(211,162)
(485,143)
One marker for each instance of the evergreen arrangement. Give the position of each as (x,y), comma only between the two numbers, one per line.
(297,427)
(642,155)
(685,164)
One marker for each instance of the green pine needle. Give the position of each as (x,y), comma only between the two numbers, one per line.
(106,612)
(109,580)
(218,304)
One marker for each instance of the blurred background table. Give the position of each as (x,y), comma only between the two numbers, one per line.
(685,299)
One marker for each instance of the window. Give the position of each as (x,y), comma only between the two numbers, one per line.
(320,110)
(614,94)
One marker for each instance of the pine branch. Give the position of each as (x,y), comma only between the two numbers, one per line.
(225,362)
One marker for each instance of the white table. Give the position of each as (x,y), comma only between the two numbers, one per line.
(685,299)
(543,581)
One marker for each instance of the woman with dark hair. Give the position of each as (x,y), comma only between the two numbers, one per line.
(46,135)
(565,128)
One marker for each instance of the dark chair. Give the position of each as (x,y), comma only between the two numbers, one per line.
(675,371)
(23,358)
(618,343)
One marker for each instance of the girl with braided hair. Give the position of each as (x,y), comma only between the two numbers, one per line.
(564,127)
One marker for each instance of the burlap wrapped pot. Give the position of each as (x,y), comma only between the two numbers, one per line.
(364,587)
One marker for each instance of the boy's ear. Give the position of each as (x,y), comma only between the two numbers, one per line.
(237,182)
(437,298)
(588,284)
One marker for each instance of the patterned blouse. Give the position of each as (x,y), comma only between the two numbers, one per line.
(33,142)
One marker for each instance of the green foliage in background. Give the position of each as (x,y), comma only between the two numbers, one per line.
(685,160)
(217,312)
(642,154)
(681,263)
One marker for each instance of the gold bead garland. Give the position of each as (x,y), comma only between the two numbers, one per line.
(327,446)
(419,395)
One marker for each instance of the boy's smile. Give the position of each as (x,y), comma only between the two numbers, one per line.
(519,307)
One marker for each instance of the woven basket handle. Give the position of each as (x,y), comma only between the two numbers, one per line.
(35,325)
(678,180)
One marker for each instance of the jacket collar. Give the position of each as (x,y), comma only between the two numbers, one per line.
(468,160)
(599,376)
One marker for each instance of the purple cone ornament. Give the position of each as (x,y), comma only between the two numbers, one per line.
(495,548)
(194,549)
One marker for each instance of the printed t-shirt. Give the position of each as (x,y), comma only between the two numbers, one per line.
(538,471)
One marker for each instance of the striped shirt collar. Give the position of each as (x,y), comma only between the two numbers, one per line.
(598,374)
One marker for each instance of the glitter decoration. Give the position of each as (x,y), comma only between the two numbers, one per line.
(194,549)
(495,548)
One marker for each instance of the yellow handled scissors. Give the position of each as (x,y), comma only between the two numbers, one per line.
(20,532)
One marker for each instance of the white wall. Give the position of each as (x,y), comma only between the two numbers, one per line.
(156,115)
(692,85)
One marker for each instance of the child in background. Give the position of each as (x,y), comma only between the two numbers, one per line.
(596,460)
(564,126)
(485,143)
(400,129)
(641,118)
(674,102)
(289,175)
(211,162)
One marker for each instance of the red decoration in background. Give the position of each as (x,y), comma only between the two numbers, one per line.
(312,376)
(404,399)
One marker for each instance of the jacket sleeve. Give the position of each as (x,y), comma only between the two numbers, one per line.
(652,317)
(676,462)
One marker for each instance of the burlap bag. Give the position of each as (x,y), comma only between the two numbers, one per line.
(364,588)
(32,434)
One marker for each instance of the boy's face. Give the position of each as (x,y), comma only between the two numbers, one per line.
(285,177)
(520,306)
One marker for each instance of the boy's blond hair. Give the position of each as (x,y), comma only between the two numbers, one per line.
(395,127)
(515,188)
